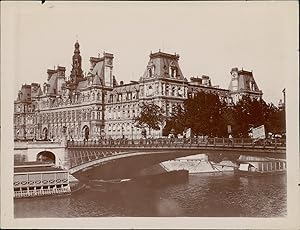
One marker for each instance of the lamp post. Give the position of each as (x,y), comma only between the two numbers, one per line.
(283,91)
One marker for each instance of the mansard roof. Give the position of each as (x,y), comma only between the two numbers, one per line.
(244,82)
(97,80)
(39,92)
(160,54)
(98,69)
(162,62)
(244,72)
(53,84)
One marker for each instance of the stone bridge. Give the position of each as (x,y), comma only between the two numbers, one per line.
(86,158)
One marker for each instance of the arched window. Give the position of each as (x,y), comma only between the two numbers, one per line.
(174,73)
(86,132)
(173,91)
(151,69)
(149,72)
(167,90)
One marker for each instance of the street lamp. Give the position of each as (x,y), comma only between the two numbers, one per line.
(283,91)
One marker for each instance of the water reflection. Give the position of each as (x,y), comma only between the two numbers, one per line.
(204,195)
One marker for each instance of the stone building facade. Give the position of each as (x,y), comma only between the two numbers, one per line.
(95,105)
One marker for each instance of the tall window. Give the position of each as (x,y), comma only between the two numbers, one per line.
(149,72)
(173,91)
(172,70)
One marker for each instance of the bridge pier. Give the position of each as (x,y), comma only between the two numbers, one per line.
(31,150)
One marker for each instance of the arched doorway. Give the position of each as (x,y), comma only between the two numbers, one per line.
(86,132)
(46,156)
(45,134)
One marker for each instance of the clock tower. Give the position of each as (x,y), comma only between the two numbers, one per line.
(234,79)
(243,83)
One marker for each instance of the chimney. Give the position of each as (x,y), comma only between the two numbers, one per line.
(61,70)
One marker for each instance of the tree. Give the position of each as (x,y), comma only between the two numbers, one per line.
(176,121)
(202,113)
(255,112)
(206,114)
(151,117)
(275,122)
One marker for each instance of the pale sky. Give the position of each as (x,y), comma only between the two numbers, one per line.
(210,38)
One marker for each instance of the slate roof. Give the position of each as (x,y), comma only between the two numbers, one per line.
(162,62)
(98,69)
(96,80)
(53,84)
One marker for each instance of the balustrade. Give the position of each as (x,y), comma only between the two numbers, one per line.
(41,192)
(180,142)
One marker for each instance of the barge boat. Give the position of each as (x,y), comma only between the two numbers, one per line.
(40,179)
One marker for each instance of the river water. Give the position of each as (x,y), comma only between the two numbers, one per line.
(203,195)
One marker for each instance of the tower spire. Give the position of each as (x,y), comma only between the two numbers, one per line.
(76,72)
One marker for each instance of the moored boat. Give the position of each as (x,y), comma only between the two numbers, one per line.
(198,164)
(252,168)
(37,179)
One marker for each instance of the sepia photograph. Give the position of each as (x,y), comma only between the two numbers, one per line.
(113,111)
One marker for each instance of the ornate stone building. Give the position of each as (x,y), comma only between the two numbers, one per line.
(97,106)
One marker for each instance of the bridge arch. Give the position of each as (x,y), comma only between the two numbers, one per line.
(46,156)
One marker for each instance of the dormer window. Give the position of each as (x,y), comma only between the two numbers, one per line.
(149,72)
(172,70)
(174,73)
(150,69)
(45,88)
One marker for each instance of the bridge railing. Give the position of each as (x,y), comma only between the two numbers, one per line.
(181,142)
(81,157)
